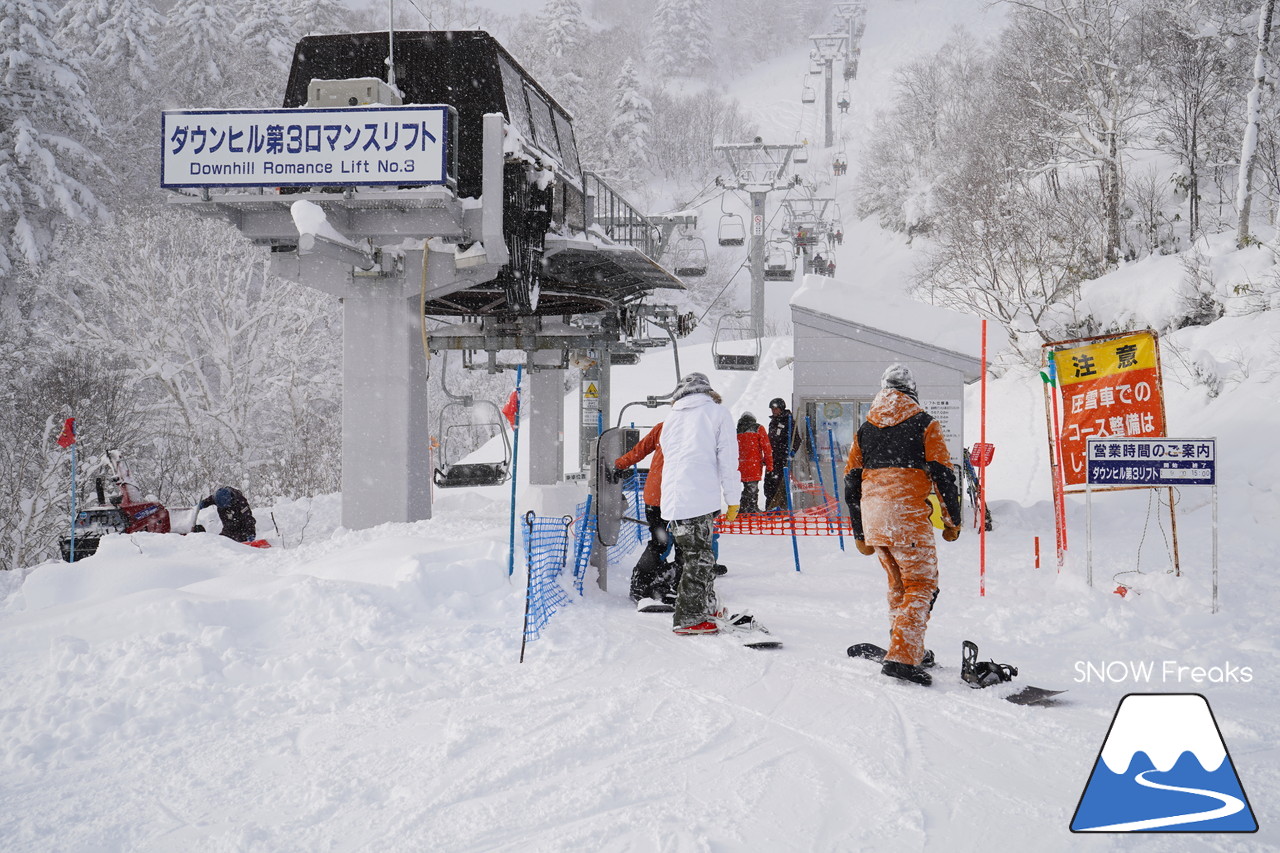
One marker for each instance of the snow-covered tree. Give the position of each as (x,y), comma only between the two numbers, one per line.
(562,27)
(203,54)
(1249,144)
(45,118)
(238,368)
(627,144)
(1092,51)
(681,42)
(320,17)
(265,41)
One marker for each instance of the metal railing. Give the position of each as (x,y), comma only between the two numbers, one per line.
(616,218)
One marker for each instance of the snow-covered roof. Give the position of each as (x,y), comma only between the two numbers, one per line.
(886,310)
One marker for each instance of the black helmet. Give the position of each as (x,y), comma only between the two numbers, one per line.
(778,403)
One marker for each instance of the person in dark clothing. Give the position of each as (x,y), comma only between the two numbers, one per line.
(238,522)
(653,577)
(784,441)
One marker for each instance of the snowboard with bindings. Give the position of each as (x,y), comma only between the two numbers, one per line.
(872,652)
(979,674)
(747,631)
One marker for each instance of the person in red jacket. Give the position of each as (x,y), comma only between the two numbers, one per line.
(653,577)
(755,457)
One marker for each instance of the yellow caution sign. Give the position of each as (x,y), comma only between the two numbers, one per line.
(591,391)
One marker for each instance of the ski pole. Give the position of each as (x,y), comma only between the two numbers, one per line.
(277,527)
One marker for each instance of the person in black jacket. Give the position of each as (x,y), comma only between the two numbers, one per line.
(784,440)
(238,522)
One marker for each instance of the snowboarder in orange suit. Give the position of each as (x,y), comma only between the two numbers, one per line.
(897,459)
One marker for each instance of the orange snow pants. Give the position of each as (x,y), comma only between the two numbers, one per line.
(913,586)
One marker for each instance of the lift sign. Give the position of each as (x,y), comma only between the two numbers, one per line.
(1152,462)
(365,146)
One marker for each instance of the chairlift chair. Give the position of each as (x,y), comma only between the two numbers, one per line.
(461,474)
(689,257)
(807,95)
(732,231)
(733,331)
(800,155)
(780,261)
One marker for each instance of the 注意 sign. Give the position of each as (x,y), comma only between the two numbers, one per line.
(1110,389)
(1152,461)
(366,146)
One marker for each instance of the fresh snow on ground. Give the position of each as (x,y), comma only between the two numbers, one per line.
(361,691)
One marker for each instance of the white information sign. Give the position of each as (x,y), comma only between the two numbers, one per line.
(950,416)
(365,146)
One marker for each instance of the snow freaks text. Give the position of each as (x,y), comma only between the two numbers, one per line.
(1167,672)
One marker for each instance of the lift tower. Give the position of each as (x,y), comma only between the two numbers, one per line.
(829,47)
(758,169)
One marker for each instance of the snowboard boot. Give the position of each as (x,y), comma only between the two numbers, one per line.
(906,672)
(721,570)
(707,627)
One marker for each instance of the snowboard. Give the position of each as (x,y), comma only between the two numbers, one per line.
(653,605)
(973,673)
(980,674)
(872,652)
(747,631)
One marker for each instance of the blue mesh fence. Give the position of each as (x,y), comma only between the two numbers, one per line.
(546,548)
(631,536)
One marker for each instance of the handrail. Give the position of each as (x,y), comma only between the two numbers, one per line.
(620,221)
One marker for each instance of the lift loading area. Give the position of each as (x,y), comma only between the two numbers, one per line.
(426,176)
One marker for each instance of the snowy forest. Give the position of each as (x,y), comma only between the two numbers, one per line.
(1086,135)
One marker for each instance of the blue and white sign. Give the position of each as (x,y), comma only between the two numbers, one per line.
(364,146)
(1151,462)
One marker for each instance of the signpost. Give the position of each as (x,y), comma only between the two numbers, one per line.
(1134,462)
(365,146)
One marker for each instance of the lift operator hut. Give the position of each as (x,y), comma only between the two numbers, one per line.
(847,334)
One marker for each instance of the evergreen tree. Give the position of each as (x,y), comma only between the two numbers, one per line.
(203,54)
(561,27)
(320,16)
(681,43)
(627,146)
(265,41)
(44,167)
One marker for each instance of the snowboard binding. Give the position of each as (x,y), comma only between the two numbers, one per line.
(983,673)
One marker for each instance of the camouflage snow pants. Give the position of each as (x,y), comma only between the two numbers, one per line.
(913,586)
(696,594)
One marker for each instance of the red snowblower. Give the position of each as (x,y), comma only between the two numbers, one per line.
(127,512)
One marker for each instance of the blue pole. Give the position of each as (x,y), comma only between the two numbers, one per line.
(817,464)
(515,459)
(795,546)
(831,448)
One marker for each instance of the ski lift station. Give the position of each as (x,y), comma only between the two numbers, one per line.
(432,185)
(845,337)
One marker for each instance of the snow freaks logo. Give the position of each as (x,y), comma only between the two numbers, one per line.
(1163,768)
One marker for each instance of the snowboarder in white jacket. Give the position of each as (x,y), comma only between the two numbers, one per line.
(700,446)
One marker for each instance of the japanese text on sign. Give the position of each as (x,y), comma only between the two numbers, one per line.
(1152,462)
(1109,389)
(304,147)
